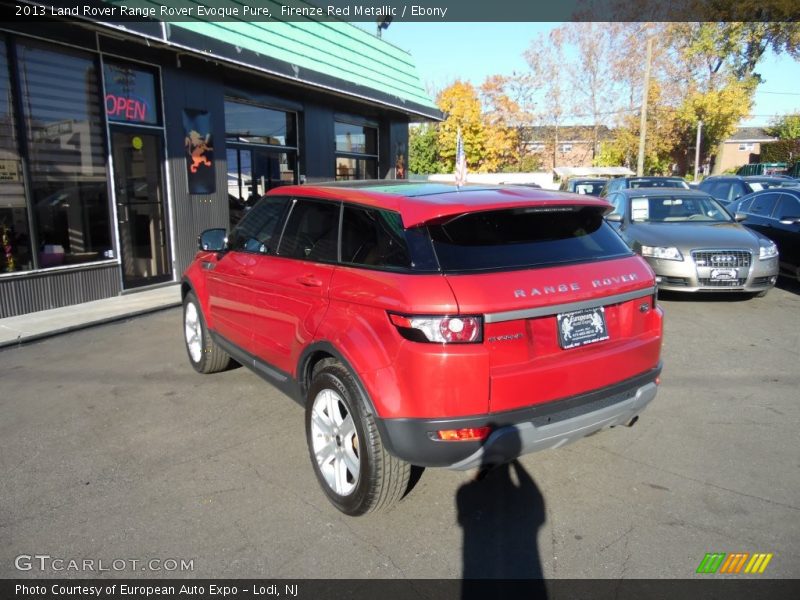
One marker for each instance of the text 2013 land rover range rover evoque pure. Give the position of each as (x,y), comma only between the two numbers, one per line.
(423,325)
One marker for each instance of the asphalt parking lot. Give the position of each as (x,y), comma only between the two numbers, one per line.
(113,448)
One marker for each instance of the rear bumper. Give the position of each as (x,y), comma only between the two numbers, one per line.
(519,432)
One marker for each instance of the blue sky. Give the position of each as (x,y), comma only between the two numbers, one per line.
(447,51)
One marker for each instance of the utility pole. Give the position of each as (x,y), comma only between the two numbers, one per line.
(697,149)
(643,124)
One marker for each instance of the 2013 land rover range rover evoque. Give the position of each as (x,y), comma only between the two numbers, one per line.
(422,324)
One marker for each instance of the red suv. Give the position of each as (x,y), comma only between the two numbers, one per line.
(421,324)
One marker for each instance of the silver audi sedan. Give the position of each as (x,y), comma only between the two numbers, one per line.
(692,243)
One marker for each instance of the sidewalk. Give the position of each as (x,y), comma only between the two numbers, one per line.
(46,323)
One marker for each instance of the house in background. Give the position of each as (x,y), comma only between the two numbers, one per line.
(568,146)
(741,148)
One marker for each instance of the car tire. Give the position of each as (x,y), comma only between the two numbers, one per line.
(204,353)
(351,464)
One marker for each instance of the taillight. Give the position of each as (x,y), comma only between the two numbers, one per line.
(442,329)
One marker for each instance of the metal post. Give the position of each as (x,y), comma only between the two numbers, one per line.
(643,124)
(697,149)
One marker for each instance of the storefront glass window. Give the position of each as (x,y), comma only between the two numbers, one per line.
(130,95)
(356,139)
(261,154)
(355,168)
(15,240)
(62,111)
(356,152)
(246,123)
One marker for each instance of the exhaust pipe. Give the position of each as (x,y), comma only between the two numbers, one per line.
(632,422)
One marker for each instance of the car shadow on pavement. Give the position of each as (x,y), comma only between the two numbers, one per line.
(789,285)
(500,512)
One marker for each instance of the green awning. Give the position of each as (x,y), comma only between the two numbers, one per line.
(333,55)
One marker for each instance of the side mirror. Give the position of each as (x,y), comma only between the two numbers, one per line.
(614,218)
(739,217)
(213,240)
(785,220)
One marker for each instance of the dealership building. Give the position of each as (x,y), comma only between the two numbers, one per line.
(120,142)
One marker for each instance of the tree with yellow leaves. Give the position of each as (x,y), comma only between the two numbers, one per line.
(488,145)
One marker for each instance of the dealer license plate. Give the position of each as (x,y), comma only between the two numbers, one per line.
(581,327)
(723,274)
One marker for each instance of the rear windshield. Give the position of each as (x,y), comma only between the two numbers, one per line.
(524,238)
(658,183)
(592,188)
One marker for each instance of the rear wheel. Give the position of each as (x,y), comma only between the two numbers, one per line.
(204,353)
(351,464)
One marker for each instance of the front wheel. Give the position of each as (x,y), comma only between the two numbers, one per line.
(351,464)
(204,353)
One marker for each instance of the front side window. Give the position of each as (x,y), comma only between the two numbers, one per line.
(524,238)
(374,238)
(64,127)
(356,151)
(260,229)
(312,231)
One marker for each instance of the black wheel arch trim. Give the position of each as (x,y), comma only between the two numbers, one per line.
(328,348)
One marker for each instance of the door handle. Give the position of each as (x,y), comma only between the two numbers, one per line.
(245,272)
(309,281)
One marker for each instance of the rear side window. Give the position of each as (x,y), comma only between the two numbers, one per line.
(374,238)
(312,231)
(763,205)
(524,238)
(788,206)
(260,228)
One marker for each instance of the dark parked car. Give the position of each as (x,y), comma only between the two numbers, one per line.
(775,213)
(726,188)
(584,185)
(765,182)
(692,243)
(624,183)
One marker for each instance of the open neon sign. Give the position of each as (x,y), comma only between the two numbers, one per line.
(125,108)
